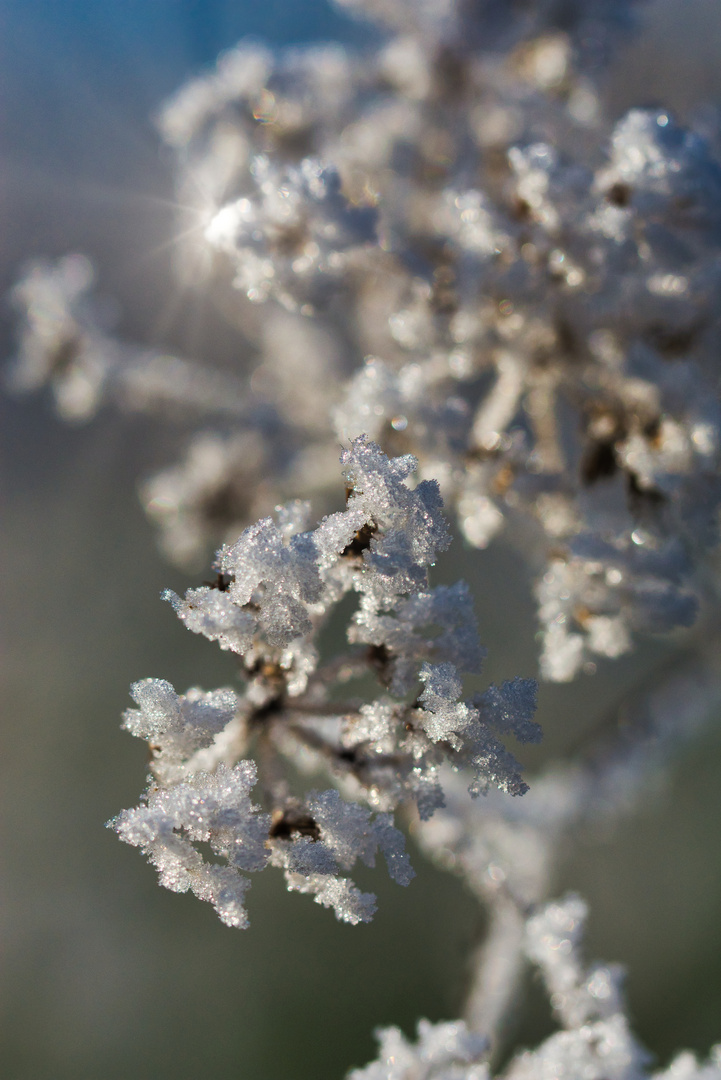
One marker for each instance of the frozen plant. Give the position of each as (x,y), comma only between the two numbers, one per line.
(442,255)
(63,343)
(534,290)
(275,589)
(593,1041)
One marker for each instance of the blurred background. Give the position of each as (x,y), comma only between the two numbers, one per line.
(103,974)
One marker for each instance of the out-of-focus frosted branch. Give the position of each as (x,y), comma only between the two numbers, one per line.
(63,344)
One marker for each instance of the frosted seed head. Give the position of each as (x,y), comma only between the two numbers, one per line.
(444,1051)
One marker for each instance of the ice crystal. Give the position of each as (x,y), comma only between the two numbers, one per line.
(275,587)
(214,808)
(595,1040)
(533,289)
(577,257)
(443,1052)
(292,238)
(63,343)
(176,726)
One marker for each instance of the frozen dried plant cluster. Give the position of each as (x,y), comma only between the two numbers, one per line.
(64,344)
(441,254)
(534,291)
(275,589)
(593,1041)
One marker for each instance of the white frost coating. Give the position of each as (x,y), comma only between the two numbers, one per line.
(442,1052)
(535,290)
(484,310)
(509,708)
(215,809)
(553,939)
(605,1050)
(291,238)
(177,726)
(64,344)
(473,731)
(214,615)
(411,526)
(687,1067)
(374,726)
(275,587)
(596,1044)
(346,829)
(357,194)
(279,578)
(349,903)
(342,833)
(443,716)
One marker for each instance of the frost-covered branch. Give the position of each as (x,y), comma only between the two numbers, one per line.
(276,587)
(441,254)
(534,290)
(594,1039)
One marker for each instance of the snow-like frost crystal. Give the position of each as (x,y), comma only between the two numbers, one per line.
(214,808)
(214,615)
(442,1052)
(349,903)
(443,716)
(534,291)
(596,1041)
(275,587)
(510,708)
(176,726)
(293,237)
(687,1067)
(472,730)
(553,939)
(605,1050)
(347,830)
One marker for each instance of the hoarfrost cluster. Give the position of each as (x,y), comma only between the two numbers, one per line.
(533,288)
(442,256)
(275,588)
(593,1041)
